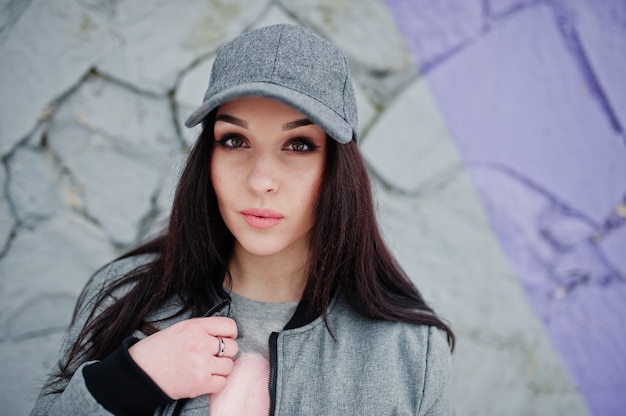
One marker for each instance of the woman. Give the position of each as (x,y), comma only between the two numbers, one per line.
(272,271)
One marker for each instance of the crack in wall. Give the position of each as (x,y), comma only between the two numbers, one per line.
(486,12)
(12,210)
(63,172)
(514,9)
(380,103)
(534,186)
(429,187)
(75,186)
(574,45)
(95,72)
(572,264)
(489,18)
(174,109)
(148,227)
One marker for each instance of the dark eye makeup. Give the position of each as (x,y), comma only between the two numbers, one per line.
(232,141)
(297,145)
(301,145)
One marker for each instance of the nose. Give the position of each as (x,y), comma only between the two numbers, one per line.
(262,177)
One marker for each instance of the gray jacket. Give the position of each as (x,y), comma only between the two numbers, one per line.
(369,367)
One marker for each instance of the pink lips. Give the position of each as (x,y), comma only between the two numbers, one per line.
(261,218)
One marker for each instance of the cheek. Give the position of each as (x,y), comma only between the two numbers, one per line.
(312,192)
(216,173)
(218,170)
(317,182)
(226,178)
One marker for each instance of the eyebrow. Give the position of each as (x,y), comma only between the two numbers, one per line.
(297,123)
(241,123)
(232,120)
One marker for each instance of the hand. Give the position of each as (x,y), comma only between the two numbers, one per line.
(182,359)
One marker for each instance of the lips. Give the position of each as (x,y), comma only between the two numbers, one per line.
(261,218)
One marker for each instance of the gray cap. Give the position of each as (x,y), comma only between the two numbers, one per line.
(290,64)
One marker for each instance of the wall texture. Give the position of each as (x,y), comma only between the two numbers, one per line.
(493,131)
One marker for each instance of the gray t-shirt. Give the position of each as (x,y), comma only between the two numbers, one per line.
(257,320)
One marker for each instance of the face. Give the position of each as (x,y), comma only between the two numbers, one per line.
(266,168)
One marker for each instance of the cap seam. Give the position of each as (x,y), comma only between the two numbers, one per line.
(280,38)
(343,92)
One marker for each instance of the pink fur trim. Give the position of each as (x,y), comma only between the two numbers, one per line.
(246,391)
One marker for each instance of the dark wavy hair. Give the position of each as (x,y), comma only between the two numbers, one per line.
(191,257)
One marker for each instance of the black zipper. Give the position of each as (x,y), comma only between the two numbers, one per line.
(273,364)
(216,308)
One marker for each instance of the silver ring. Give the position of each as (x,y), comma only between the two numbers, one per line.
(220,353)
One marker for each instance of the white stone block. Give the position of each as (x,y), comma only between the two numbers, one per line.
(409,144)
(35,186)
(54,259)
(141,126)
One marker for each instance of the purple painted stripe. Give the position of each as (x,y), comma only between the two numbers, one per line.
(549,161)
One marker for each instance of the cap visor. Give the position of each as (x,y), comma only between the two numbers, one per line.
(330,121)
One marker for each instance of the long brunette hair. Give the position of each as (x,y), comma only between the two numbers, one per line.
(190,258)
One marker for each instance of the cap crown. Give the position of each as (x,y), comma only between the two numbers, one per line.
(293,65)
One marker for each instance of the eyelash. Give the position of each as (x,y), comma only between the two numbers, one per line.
(310,146)
(230,137)
(224,142)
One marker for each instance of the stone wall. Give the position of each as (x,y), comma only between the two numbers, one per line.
(492,129)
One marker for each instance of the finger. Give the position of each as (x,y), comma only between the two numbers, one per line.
(221,347)
(228,347)
(216,384)
(222,366)
(232,348)
(219,326)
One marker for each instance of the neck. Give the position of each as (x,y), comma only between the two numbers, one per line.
(277,278)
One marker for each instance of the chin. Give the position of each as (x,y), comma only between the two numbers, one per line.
(262,249)
(269,244)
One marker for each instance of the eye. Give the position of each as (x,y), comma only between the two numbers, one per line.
(232,141)
(301,146)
